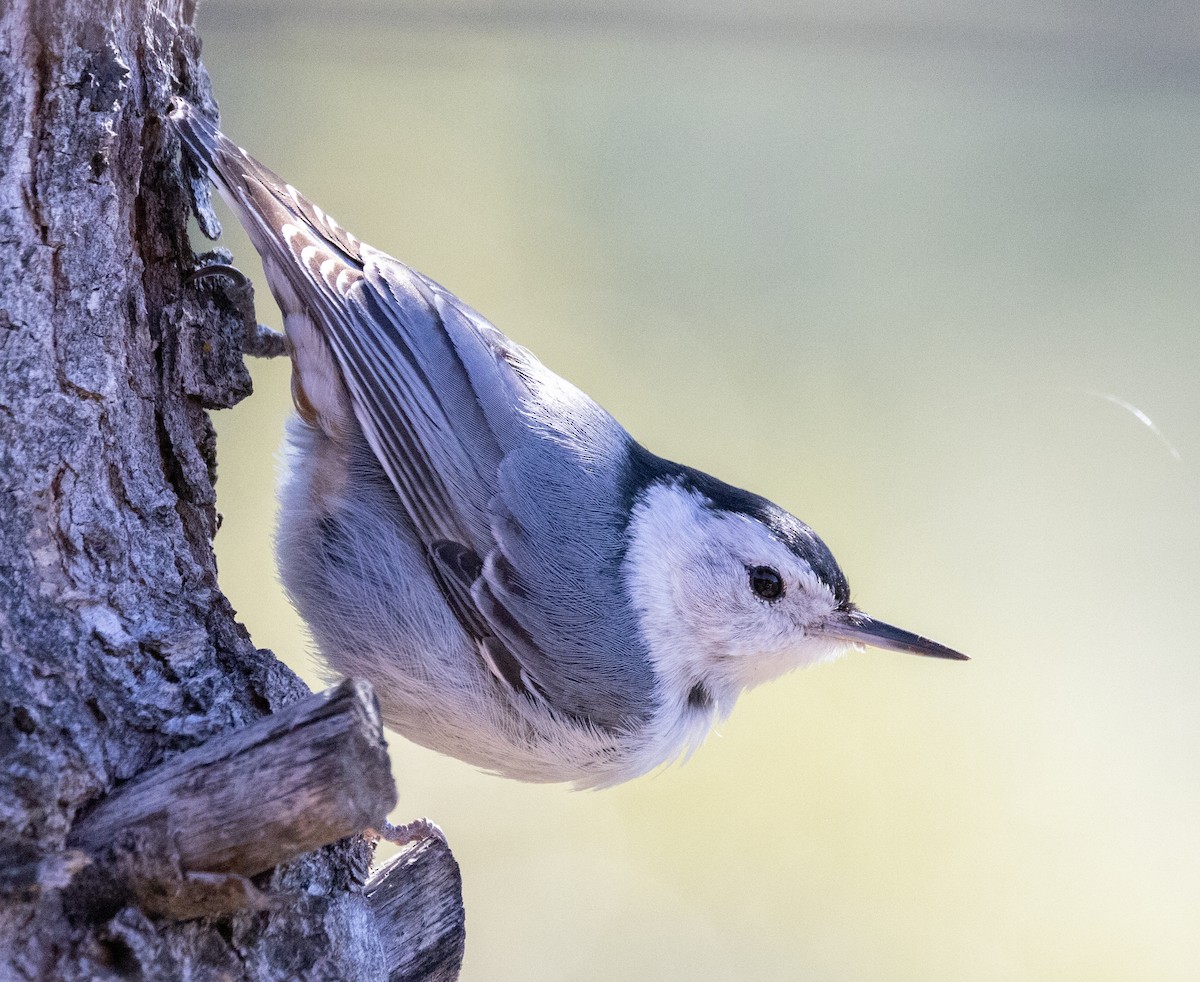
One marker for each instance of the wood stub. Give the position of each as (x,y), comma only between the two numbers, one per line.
(249,800)
(417,901)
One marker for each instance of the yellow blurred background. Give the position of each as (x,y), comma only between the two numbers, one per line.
(922,274)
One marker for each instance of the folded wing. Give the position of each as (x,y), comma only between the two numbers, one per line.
(512,478)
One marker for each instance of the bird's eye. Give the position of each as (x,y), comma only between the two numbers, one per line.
(766,582)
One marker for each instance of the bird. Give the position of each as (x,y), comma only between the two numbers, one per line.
(526,587)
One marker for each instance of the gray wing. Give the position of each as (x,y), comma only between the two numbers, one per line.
(533,470)
(513,478)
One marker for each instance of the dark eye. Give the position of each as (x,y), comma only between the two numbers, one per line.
(766,582)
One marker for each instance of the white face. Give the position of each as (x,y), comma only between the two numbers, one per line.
(723,602)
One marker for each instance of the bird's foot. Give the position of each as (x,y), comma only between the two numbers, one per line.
(258,340)
(403,835)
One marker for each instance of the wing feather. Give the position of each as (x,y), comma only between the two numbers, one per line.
(512,478)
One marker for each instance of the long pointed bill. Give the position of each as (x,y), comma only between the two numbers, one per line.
(861,629)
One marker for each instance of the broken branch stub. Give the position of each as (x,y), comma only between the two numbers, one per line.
(416,897)
(247,801)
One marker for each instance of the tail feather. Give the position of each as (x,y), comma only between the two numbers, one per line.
(269,208)
(259,197)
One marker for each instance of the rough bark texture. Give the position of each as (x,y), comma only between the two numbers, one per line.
(117,650)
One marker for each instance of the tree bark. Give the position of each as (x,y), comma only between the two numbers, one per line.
(117,650)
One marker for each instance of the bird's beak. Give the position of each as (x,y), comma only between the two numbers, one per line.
(858,628)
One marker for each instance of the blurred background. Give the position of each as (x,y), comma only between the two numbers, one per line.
(926,275)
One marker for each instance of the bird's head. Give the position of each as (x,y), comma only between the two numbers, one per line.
(733,591)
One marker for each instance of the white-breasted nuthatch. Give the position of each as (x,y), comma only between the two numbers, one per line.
(526,586)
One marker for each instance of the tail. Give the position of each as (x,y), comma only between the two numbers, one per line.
(282,225)
(263,202)
(200,136)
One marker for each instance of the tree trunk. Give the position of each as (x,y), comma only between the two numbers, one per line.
(117,649)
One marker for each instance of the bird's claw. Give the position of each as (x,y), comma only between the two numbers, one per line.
(403,835)
(240,279)
(258,340)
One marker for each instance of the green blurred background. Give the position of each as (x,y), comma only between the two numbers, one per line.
(912,271)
